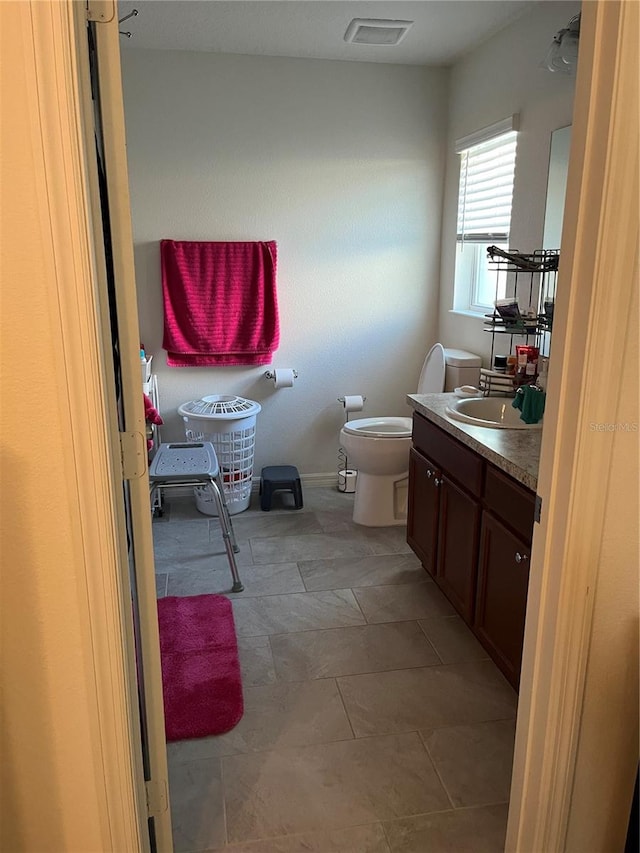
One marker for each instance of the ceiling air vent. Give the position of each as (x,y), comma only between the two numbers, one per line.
(375,31)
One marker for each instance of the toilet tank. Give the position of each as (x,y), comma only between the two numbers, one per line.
(461,368)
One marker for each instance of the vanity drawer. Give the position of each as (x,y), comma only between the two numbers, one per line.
(453,457)
(510,501)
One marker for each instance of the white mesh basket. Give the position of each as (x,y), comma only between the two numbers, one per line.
(229,423)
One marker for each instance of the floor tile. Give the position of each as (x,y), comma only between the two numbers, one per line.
(479,830)
(344,572)
(329,786)
(182,508)
(328,498)
(197,808)
(411,699)
(315,670)
(345,651)
(276,715)
(175,535)
(257,580)
(285,549)
(193,556)
(334,520)
(281,715)
(356,839)
(402,601)
(278,614)
(453,641)
(161,585)
(387,540)
(474,761)
(267,524)
(194,750)
(256,661)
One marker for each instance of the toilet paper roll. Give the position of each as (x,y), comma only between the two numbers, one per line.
(283,377)
(347,480)
(353,403)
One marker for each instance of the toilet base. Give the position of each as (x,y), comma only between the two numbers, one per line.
(381,499)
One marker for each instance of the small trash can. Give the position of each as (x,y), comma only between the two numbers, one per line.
(229,423)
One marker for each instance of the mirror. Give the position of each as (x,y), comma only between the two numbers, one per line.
(554,210)
(556,187)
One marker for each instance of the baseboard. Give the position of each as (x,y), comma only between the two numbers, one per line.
(309,481)
(312,480)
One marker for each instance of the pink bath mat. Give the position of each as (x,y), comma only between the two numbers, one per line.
(200,667)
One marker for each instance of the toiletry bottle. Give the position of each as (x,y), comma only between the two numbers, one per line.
(543,372)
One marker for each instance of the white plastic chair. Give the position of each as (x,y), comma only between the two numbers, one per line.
(191,464)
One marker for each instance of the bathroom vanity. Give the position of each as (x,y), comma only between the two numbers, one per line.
(470,521)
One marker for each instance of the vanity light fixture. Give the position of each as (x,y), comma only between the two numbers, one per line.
(562,56)
(376,31)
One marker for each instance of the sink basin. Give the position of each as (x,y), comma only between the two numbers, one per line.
(490,412)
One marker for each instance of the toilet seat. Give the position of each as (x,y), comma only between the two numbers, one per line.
(380,427)
(433,371)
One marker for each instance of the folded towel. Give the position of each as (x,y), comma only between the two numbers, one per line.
(220,302)
(530,400)
(151,416)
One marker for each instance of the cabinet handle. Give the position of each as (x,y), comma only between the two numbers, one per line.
(521,558)
(429,473)
(437,481)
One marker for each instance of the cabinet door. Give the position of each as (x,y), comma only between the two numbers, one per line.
(422,518)
(458,533)
(503,581)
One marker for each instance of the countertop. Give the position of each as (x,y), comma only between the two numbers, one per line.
(514,451)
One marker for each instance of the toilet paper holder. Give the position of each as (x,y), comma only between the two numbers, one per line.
(270,374)
(341,400)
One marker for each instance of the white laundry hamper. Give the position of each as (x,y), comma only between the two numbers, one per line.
(229,423)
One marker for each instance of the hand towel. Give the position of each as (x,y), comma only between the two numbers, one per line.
(530,400)
(151,416)
(220,302)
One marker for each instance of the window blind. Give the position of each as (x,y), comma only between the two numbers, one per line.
(486,190)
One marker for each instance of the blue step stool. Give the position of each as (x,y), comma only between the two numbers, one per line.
(278,478)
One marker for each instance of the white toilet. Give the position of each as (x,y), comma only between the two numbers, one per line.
(379,447)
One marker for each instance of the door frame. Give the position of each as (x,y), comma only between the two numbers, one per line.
(597,278)
(54,39)
(582,388)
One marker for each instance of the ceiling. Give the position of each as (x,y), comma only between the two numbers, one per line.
(442,32)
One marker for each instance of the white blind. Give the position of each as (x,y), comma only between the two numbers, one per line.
(486,190)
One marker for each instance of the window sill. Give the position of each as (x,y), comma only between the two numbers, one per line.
(479,315)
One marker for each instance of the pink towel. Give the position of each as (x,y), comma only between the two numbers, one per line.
(220,303)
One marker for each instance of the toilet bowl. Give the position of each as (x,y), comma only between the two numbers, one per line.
(379,447)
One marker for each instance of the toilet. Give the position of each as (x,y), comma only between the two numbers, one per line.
(379,447)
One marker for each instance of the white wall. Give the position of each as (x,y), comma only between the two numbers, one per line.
(501,77)
(341,163)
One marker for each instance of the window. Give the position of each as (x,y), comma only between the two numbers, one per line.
(487,166)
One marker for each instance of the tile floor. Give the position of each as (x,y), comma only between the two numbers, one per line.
(374,722)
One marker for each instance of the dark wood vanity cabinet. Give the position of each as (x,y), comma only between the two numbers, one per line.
(443,522)
(471,526)
(458,530)
(443,526)
(503,570)
(503,580)
(424,509)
